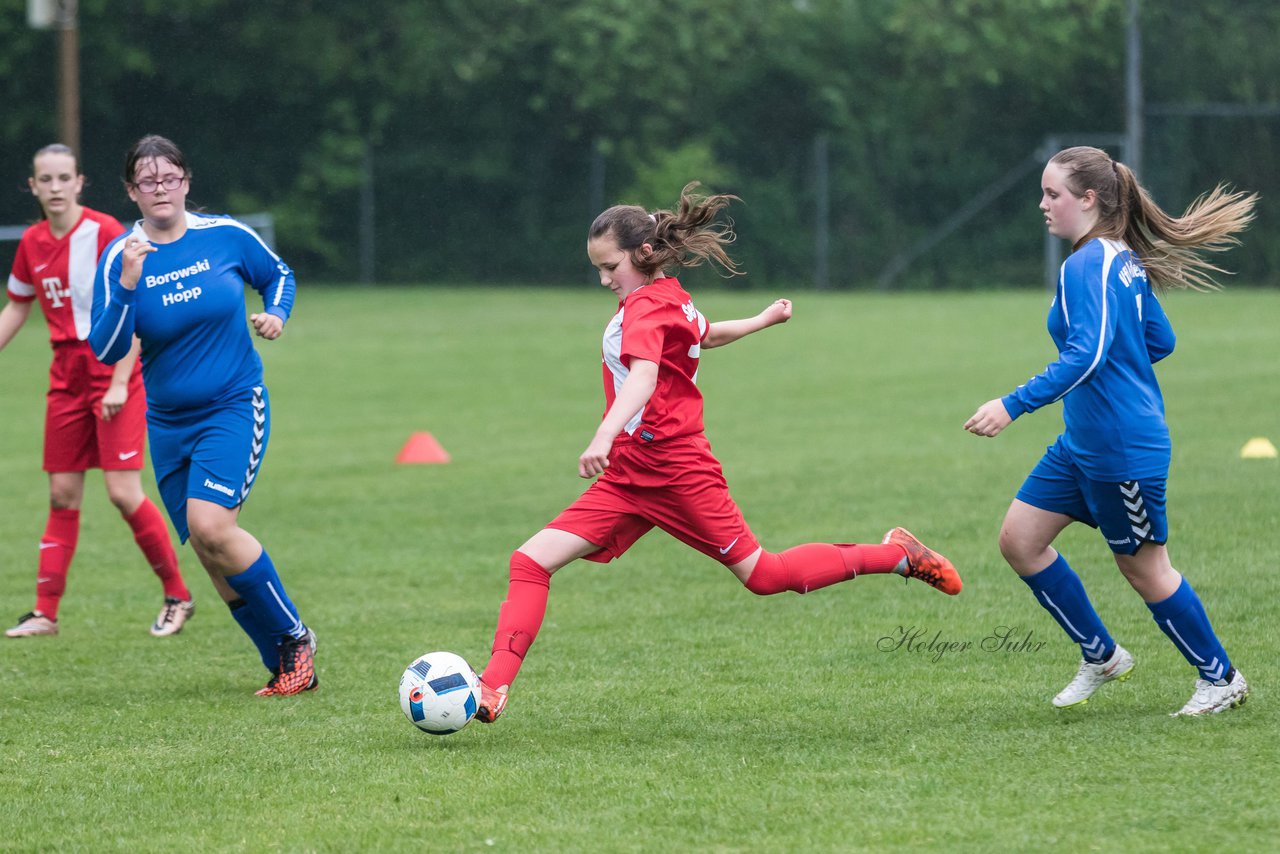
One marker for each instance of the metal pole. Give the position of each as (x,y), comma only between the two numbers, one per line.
(1133,91)
(68,76)
(368,241)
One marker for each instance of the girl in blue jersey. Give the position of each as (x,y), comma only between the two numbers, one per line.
(1109,467)
(176,280)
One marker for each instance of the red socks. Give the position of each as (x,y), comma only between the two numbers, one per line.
(57,547)
(816,565)
(802,568)
(152,536)
(519,619)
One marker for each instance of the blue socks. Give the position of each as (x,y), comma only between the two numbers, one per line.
(265,643)
(272,614)
(1183,619)
(1059,591)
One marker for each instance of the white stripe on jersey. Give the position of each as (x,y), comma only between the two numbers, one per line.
(115,333)
(695,351)
(21,289)
(82,263)
(613,360)
(112,253)
(1108,255)
(198,221)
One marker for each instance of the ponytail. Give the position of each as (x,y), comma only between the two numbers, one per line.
(1171,248)
(685,237)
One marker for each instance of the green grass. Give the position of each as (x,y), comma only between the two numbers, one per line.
(663,706)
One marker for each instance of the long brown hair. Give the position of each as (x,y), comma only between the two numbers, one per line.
(685,237)
(1169,247)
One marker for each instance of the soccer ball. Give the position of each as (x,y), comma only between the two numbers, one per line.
(439,693)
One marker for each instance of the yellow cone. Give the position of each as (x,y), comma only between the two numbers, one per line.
(1258,448)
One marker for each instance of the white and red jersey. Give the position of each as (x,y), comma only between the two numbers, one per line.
(60,271)
(657,323)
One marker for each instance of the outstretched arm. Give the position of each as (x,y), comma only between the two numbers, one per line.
(990,419)
(727,331)
(634,393)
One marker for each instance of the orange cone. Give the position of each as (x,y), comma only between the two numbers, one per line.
(422,448)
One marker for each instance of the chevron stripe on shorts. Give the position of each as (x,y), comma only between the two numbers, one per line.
(1136,509)
(259,442)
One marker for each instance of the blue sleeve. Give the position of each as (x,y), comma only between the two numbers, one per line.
(1158,330)
(112,314)
(1089,314)
(267,274)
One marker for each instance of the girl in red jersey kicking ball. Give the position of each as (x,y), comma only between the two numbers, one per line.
(96,415)
(652,461)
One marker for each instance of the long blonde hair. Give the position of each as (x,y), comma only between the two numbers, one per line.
(685,237)
(1171,248)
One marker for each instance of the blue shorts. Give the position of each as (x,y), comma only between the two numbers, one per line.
(1128,514)
(212,454)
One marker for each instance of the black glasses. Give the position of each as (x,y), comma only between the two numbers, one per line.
(150,185)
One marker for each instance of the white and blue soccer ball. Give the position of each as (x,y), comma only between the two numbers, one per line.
(439,693)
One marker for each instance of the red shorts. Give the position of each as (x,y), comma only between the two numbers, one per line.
(675,485)
(75,436)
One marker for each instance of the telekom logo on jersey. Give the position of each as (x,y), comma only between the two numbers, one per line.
(54,290)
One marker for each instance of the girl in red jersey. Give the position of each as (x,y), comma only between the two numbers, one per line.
(652,461)
(96,415)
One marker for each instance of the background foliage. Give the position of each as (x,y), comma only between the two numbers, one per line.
(493,132)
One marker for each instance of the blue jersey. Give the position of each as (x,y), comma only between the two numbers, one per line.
(1109,330)
(188,310)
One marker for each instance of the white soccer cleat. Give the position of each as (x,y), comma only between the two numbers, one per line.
(1211,698)
(32,625)
(1090,677)
(173,616)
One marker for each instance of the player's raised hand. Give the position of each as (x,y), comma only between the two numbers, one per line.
(990,419)
(778,312)
(267,325)
(135,250)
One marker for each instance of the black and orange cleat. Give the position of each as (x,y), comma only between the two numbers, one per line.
(297,671)
(923,563)
(492,702)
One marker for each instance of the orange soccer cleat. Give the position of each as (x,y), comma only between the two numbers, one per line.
(492,702)
(923,563)
(297,668)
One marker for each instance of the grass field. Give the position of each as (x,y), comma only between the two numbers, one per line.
(663,707)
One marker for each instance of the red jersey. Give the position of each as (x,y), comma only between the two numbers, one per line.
(60,270)
(657,323)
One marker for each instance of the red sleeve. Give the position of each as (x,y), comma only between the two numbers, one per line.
(644,326)
(21,288)
(109,228)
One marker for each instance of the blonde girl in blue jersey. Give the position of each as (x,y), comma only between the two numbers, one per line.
(1109,467)
(177,280)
